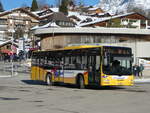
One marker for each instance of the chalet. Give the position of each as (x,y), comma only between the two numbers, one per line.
(95,10)
(7,48)
(20,20)
(129,20)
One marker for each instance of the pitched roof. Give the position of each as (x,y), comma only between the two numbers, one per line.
(43,12)
(58,16)
(7,42)
(21,9)
(93,8)
(108,18)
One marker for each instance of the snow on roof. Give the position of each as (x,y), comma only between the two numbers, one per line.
(50,24)
(81,17)
(16,9)
(94,8)
(55,9)
(8,41)
(96,21)
(105,19)
(36,12)
(40,11)
(45,15)
(35,27)
(2,43)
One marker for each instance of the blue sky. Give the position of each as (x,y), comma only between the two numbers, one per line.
(10,4)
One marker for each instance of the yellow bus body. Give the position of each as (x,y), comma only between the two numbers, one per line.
(106,80)
(39,73)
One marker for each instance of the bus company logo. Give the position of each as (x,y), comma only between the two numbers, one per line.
(54,70)
(56,73)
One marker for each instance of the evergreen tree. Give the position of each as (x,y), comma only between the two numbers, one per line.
(34,6)
(1,7)
(64,7)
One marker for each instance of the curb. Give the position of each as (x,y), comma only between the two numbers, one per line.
(144,80)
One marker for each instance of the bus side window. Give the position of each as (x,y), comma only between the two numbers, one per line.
(77,62)
(84,62)
(66,62)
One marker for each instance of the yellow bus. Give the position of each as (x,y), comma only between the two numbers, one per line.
(84,65)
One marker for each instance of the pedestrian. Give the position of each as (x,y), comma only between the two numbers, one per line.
(136,70)
(141,70)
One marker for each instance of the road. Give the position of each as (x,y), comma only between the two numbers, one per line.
(20,95)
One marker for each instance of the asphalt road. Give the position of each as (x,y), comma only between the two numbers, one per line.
(20,95)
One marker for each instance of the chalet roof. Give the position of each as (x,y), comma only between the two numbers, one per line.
(19,9)
(43,13)
(50,24)
(108,18)
(55,9)
(94,8)
(58,16)
(45,10)
(79,17)
(7,42)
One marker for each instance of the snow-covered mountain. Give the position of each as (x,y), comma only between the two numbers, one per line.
(144,4)
(116,6)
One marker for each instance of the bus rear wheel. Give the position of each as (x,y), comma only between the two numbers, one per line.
(80,82)
(49,80)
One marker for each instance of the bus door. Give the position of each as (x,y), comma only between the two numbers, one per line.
(37,69)
(94,69)
(58,70)
(61,72)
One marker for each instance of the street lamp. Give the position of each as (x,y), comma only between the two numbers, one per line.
(12,42)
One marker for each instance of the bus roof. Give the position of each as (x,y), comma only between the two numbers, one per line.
(80,47)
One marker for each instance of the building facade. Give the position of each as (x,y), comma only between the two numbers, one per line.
(54,38)
(17,22)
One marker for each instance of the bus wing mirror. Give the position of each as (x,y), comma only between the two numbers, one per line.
(132,59)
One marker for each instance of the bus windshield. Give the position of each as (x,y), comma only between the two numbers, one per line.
(117,66)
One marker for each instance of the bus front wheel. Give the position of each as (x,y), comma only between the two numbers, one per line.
(49,80)
(80,82)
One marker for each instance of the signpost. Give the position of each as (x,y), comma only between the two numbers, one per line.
(12,41)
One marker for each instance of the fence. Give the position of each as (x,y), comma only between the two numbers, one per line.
(9,70)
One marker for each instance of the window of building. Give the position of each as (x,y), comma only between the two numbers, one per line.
(3,21)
